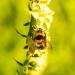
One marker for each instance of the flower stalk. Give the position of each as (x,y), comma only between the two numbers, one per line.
(41,17)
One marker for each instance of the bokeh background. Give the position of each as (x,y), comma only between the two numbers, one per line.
(14,13)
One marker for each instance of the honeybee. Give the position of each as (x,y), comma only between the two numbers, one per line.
(40,39)
(37,42)
(36,38)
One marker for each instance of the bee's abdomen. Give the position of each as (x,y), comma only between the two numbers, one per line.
(40,45)
(40,42)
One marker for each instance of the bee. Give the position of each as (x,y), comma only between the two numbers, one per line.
(35,42)
(40,39)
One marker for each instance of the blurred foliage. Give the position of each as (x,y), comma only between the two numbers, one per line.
(14,13)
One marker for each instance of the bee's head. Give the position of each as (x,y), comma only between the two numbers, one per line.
(39,30)
(39,37)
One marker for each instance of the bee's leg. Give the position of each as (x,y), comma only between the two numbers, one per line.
(21,34)
(26,24)
(26,47)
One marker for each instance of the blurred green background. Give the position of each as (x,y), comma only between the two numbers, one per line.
(14,13)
